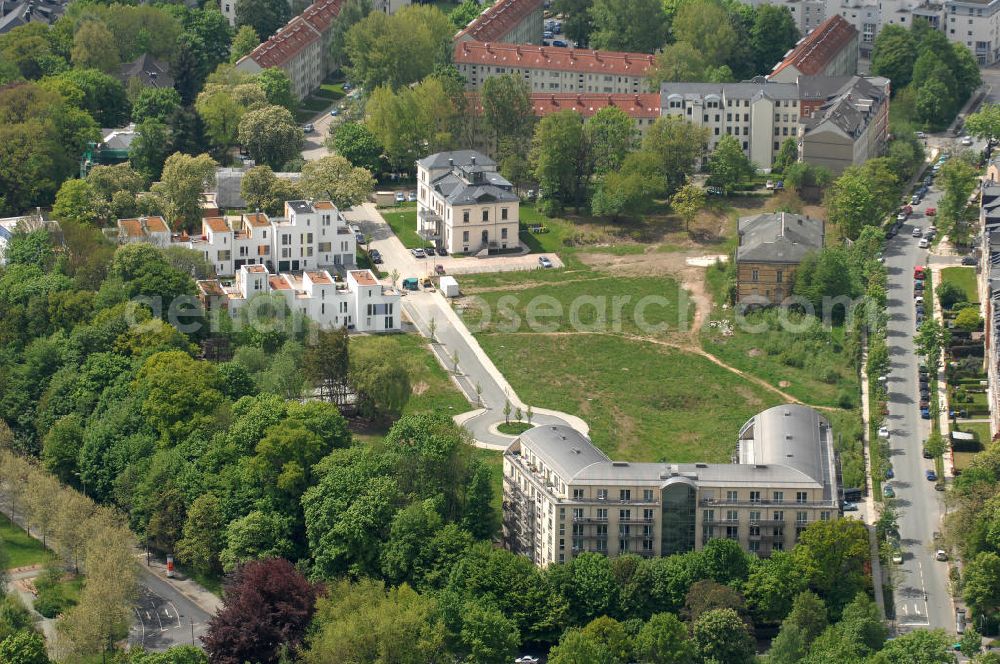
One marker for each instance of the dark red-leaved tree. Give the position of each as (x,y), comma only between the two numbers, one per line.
(267,604)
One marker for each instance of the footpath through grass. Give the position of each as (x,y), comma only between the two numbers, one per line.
(19,548)
(404,224)
(643,401)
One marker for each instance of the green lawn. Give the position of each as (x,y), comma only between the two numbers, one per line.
(584,301)
(980,429)
(404,225)
(432,389)
(643,402)
(19,548)
(813,365)
(514,428)
(963,277)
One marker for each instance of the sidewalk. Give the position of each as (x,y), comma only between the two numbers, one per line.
(200,596)
(870,510)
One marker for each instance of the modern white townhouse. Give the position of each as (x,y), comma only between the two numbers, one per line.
(464,205)
(563,496)
(311,235)
(358,301)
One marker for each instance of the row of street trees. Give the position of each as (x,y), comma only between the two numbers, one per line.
(92,539)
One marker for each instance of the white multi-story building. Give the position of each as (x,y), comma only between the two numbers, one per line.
(464,205)
(563,496)
(357,302)
(310,236)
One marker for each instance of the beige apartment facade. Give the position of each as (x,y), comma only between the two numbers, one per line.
(564,497)
(464,205)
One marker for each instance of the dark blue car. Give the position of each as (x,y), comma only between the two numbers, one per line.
(925,413)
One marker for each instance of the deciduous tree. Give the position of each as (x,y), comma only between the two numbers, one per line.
(270,135)
(559,156)
(264,16)
(687,202)
(721,635)
(334,178)
(637,26)
(356,143)
(91,44)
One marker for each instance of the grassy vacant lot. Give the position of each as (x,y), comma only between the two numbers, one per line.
(980,429)
(19,548)
(964,278)
(812,365)
(404,225)
(584,301)
(432,388)
(643,401)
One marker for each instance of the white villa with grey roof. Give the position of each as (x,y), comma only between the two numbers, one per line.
(464,205)
(563,496)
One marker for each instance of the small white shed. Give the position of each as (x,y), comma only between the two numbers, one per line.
(449,286)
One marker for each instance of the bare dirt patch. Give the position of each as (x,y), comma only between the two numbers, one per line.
(755,352)
(420,387)
(784,383)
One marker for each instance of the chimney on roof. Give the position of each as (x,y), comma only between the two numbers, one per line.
(489,49)
(451,162)
(473,159)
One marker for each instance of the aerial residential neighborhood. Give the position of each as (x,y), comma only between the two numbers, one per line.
(513,332)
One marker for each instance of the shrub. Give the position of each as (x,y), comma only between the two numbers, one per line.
(845,400)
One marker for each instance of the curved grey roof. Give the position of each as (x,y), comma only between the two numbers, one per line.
(460,158)
(791,435)
(563,448)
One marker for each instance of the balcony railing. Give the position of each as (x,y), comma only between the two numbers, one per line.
(708,502)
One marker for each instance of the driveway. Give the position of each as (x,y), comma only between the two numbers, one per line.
(451,336)
(922,597)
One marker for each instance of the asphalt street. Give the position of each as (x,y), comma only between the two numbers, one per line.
(164,617)
(922,596)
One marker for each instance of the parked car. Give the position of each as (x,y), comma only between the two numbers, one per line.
(916,232)
(889,473)
(375,257)
(901,216)
(891,233)
(769,184)
(850,507)
(918,285)
(966,140)
(418,253)
(715,191)
(544,261)
(897,557)
(927,453)
(439,269)
(920,311)
(359,238)
(920,134)
(924,243)
(883,432)
(914,200)
(888,492)
(335,112)
(939,486)
(779,185)
(919,299)
(400,197)
(930,212)
(919,272)
(559,43)
(308,128)
(411,197)
(941,555)
(547,34)
(430,250)
(930,475)
(925,413)
(968,260)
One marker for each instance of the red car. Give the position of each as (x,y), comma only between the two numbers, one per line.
(919,272)
(931,212)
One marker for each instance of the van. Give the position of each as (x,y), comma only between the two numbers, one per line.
(411,283)
(852,495)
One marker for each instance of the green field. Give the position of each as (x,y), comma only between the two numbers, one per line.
(643,401)
(980,429)
(19,548)
(513,428)
(813,365)
(432,389)
(582,301)
(404,225)
(964,278)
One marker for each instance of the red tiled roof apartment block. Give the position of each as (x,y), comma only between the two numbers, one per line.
(829,50)
(643,108)
(300,48)
(553,69)
(514,21)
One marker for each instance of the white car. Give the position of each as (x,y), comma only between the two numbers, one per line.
(883,432)
(941,555)
(355,228)
(966,140)
(897,557)
(400,197)
(921,134)
(544,261)
(925,243)
(769,184)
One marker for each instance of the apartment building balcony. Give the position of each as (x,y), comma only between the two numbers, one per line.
(721,502)
(720,522)
(429,224)
(590,519)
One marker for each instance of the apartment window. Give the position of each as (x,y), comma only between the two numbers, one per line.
(465,236)
(779,276)
(503,214)
(625,494)
(647,531)
(801,496)
(503,233)
(729,117)
(732,515)
(778,496)
(225,255)
(577,513)
(623,544)
(754,274)
(732,496)
(624,530)
(465,216)
(602,529)
(647,515)
(732,532)
(624,515)
(286,238)
(577,494)
(602,546)
(824,516)
(705,117)
(755,496)
(602,513)
(602,494)
(754,531)
(779,516)
(562,545)
(801,518)
(754,546)
(647,495)
(647,545)
(755,517)
(486,215)
(708,516)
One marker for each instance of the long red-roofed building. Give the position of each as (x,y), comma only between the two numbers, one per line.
(643,108)
(552,69)
(516,21)
(831,49)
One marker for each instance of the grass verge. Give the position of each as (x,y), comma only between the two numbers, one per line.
(404,225)
(20,548)
(964,278)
